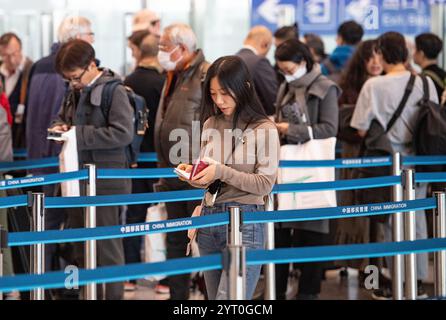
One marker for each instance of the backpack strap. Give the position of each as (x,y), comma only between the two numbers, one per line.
(107,96)
(402,105)
(426,94)
(25,81)
(434,77)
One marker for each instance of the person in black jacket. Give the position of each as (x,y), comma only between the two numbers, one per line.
(428,48)
(147,81)
(256,46)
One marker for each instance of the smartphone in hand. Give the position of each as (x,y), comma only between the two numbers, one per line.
(55,135)
(182,173)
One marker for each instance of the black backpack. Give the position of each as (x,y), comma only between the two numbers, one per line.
(429,137)
(140,118)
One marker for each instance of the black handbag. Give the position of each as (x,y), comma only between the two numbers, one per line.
(376,144)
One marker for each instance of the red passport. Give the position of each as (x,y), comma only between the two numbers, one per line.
(198,167)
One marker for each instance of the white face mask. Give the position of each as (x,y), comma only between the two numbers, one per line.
(300,72)
(165,62)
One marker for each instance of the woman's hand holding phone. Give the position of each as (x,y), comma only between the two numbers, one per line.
(206,176)
(183,171)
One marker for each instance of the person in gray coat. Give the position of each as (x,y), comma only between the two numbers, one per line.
(305,98)
(101,139)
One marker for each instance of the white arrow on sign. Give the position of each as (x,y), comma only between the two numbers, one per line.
(269,10)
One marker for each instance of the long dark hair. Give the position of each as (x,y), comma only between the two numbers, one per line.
(356,74)
(234,77)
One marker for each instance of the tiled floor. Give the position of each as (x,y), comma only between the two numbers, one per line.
(334,287)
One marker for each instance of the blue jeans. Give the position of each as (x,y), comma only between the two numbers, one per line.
(214,239)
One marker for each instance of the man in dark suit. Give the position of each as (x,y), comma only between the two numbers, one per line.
(256,46)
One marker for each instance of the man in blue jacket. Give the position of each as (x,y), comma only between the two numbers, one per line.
(349,35)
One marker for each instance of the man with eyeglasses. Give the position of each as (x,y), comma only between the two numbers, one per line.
(46,92)
(101,139)
(14,74)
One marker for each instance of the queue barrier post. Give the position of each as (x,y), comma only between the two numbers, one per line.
(408,179)
(440,256)
(37,202)
(3,245)
(90,222)
(398,232)
(270,270)
(235,257)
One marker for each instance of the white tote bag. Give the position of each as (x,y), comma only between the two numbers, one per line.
(315,149)
(68,162)
(155,244)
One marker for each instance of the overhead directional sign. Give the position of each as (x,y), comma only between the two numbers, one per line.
(323,16)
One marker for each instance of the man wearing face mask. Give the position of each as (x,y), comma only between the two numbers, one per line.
(256,47)
(102,137)
(179,107)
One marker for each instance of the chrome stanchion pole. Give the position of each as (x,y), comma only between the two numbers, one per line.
(3,245)
(90,222)
(397,225)
(38,250)
(440,256)
(408,179)
(236,264)
(270,271)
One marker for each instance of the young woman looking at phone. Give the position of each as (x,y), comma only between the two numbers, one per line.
(245,165)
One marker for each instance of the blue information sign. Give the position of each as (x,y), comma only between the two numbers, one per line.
(323,16)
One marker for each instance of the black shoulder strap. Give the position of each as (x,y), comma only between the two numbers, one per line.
(107,96)
(426,95)
(438,81)
(403,102)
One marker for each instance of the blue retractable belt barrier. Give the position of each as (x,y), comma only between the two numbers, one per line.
(353,211)
(337,163)
(187,195)
(14,201)
(423,160)
(29,164)
(148,157)
(126,199)
(338,185)
(53,280)
(430,177)
(20,153)
(344,252)
(197,194)
(43,180)
(213,262)
(100,233)
(155,173)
